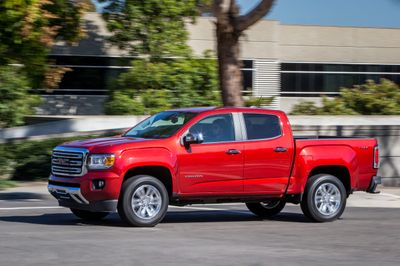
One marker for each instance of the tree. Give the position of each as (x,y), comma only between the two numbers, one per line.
(151,28)
(230,26)
(29,29)
(155,28)
(149,87)
(166,74)
(370,98)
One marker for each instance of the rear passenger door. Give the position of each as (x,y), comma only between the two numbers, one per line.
(268,154)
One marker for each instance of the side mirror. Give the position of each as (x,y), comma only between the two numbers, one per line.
(192,138)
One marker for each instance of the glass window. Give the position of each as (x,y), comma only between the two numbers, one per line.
(247,81)
(161,125)
(216,128)
(260,126)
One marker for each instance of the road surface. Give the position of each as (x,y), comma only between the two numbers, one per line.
(35,231)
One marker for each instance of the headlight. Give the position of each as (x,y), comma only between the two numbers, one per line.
(100,161)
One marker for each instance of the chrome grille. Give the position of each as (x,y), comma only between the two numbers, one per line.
(68,161)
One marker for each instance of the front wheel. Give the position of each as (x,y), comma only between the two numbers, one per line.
(143,201)
(267,208)
(88,215)
(324,198)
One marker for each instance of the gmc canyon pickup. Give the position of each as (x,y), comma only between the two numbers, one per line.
(211,155)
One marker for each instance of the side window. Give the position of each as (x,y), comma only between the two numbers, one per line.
(216,128)
(261,126)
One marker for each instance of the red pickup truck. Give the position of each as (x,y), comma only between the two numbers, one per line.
(211,155)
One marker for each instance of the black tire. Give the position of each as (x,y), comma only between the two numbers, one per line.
(266,209)
(88,215)
(314,187)
(130,190)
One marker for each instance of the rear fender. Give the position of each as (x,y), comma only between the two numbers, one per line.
(316,156)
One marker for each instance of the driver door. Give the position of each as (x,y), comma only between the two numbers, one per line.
(216,164)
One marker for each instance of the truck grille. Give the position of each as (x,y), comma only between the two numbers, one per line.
(68,161)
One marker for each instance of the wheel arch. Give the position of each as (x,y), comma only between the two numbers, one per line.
(162,173)
(339,171)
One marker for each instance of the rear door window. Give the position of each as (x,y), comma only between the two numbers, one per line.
(262,126)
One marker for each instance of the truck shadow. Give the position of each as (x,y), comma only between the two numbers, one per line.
(22,196)
(113,220)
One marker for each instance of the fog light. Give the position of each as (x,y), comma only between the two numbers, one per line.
(98,184)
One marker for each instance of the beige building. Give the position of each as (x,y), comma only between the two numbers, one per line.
(289,62)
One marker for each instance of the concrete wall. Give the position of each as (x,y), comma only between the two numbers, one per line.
(339,44)
(72,105)
(304,43)
(385,128)
(268,40)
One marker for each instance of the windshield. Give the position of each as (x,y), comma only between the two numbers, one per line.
(161,125)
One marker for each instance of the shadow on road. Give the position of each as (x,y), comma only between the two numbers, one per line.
(172,217)
(21,196)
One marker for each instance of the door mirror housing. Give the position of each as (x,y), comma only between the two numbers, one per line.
(192,138)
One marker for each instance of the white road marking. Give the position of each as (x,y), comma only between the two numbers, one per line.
(208,209)
(30,208)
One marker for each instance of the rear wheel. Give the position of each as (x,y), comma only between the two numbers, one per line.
(143,201)
(88,215)
(324,198)
(267,208)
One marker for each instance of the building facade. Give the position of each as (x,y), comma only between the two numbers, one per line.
(289,62)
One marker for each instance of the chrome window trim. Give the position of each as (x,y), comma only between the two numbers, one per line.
(236,127)
(245,129)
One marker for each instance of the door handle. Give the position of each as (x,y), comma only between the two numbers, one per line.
(280,149)
(232,151)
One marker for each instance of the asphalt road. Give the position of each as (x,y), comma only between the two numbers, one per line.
(34,231)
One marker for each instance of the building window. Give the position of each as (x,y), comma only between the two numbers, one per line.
(301,79)
(93,75)
(248,72)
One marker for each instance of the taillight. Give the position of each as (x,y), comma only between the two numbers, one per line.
(376,157)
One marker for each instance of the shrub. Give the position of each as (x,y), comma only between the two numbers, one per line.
(29,160)
(15,100)
(123,104)
(161,85)
(258,101)
(368,99)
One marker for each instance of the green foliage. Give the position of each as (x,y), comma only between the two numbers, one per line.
(165,84)
(121,104)
(153,27)
(4,184)
(29,160)
(156,100)
(29,28)
(373,98)
(368,99)
(15,101)
(258,101)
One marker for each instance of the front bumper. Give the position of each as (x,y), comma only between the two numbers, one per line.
(71,197)
(375,181)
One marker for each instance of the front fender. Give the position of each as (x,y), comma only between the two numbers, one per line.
(157,156)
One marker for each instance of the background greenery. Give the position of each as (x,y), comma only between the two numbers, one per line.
(149,87)
(27,32)
(15,101)
(30,160)
(371,98)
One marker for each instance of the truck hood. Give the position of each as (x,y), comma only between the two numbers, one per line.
(110,143)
